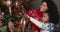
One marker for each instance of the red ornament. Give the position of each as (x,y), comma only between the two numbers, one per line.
(19,13)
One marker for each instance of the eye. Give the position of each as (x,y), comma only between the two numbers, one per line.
(43,5)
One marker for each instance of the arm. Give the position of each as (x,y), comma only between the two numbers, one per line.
(36,22)
(46,27)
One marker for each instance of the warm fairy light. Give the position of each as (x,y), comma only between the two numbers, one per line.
(10,10)
(2,13)
(16,3)
(24,22)
(8,2)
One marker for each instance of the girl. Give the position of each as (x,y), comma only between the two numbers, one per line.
(44,25)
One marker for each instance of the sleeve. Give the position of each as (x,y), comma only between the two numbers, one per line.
(36,22)
(48,27)
(29,13)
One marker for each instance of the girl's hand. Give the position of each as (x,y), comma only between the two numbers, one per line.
(27,16)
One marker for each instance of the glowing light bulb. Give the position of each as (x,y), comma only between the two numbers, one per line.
(8,2)
(16,3)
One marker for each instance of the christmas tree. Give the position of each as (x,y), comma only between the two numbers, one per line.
(14,11)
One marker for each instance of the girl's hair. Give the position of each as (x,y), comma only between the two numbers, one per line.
(52,11)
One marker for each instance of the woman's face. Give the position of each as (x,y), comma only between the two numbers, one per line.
(43,7)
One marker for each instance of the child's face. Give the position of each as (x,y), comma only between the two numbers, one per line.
(45,17)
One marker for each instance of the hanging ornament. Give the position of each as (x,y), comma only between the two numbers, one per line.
(6,3)
(10,10)
(16,3)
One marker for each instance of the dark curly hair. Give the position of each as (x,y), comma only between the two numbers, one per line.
(52,11)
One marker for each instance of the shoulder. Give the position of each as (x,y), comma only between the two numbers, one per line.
(35,11)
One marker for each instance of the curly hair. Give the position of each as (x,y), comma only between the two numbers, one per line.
(52,11)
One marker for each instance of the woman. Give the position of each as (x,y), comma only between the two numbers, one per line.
(52,11)
(46,6)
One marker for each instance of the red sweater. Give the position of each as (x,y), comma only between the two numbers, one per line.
(37,14)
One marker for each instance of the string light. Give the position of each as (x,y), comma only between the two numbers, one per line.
(8,2)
